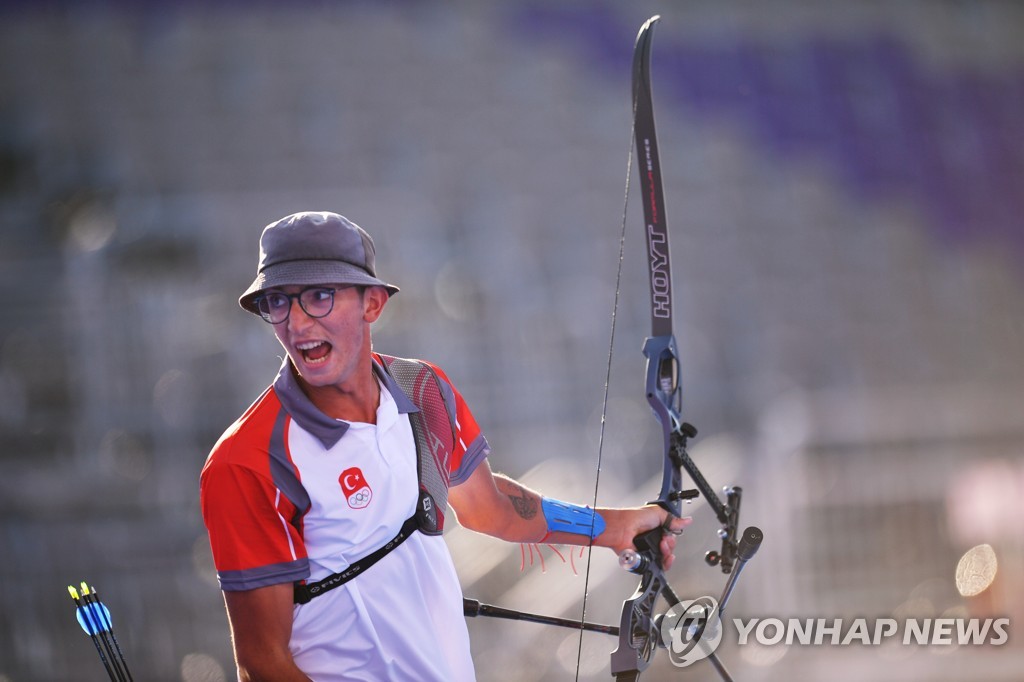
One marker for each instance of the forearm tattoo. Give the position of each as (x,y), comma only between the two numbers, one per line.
(523,501)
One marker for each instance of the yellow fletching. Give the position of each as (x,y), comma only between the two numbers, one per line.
(85,589)
(73,592)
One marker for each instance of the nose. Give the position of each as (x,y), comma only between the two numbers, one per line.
(297,316)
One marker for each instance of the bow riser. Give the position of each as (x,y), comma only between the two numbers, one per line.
(663,394)
(638,633)
(639,630)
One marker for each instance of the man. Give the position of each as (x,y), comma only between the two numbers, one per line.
(323,470)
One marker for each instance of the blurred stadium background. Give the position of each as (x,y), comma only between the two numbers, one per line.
(845,188)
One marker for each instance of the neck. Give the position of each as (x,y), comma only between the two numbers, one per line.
(353,401)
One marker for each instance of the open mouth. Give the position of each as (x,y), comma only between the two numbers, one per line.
(314,352)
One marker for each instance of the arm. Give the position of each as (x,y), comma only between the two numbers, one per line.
(261,626)
(499,506)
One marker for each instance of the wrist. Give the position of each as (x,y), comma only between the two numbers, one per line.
(616,535)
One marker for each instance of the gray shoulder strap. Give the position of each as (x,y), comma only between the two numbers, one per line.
(433,428)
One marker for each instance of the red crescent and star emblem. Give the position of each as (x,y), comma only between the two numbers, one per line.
(357,490)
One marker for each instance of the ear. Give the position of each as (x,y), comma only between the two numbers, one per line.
(374,300)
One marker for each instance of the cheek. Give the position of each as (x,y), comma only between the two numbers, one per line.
(348,337)
(281,334)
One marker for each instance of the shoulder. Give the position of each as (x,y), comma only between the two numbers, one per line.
(388,362)
(250,434)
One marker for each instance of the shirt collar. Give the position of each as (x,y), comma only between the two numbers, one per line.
(327,429)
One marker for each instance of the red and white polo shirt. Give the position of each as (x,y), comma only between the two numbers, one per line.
(289,494)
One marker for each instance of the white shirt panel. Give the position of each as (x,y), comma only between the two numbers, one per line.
(402,619)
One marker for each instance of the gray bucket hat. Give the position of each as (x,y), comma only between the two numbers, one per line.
(313,247)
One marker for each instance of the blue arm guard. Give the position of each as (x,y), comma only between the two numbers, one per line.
(563,517)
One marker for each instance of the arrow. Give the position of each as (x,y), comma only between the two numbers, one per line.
(94,617)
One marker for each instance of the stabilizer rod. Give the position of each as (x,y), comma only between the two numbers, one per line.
(474,608)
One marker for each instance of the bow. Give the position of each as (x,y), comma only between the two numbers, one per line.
(639,628)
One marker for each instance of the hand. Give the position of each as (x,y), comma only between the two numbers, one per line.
(626,524)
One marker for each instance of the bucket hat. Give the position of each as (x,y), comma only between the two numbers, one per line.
(313,247)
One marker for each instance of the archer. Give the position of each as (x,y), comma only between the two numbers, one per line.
(325,500)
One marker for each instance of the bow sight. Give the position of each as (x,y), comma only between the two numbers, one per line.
(728,513)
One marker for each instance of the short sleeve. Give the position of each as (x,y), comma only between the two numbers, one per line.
(252,527)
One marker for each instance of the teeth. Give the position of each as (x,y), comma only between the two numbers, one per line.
(306,347)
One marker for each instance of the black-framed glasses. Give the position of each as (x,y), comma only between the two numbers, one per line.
(276,306)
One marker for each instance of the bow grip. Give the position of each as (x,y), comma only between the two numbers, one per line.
(648,545)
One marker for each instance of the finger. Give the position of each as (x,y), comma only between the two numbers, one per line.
(668,545)
(674,525)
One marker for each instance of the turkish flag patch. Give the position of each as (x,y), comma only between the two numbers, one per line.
(357,490)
